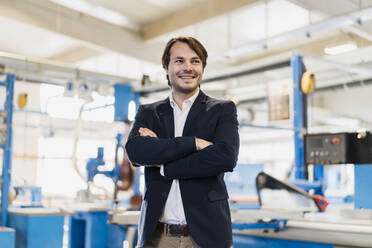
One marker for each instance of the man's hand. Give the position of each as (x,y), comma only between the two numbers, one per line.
(201,144)
(146,132)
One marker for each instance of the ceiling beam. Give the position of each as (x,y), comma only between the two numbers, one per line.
(75,54)
(314,45)
(198,13)
(337,7)
(92,31)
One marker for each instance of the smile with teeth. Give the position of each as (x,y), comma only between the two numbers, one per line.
(187,76)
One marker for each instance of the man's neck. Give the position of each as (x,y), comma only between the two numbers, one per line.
(179,97)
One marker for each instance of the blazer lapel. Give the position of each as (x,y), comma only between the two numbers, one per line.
(166,118)
(196,108)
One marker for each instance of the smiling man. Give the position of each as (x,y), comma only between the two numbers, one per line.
(186,143)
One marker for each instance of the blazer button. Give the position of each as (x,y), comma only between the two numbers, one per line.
(164,194)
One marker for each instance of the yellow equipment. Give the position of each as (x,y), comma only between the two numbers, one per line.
(22,100)
(308,82)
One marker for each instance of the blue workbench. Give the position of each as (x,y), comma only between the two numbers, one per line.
(88,229)
(7,237)
(37,228)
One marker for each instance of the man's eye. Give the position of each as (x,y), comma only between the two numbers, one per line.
(196,61)
(178,61)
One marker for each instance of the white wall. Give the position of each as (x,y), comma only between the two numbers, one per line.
(353,102)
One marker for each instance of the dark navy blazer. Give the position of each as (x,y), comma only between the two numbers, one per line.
(200,173)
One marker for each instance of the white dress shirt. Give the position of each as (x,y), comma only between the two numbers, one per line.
(173,212)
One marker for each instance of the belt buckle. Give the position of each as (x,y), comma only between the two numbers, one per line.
(175,233)
(168,232)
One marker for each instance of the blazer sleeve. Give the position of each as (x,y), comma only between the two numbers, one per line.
(149,151)
(212,160)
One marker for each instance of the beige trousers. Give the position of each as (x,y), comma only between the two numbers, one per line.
(160,240)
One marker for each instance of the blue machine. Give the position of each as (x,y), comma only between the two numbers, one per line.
(93,165)
(243,187)
(299,172)
(361,172)
(118,235)
(277,225)
(29,196)
(90,229)
(242,241)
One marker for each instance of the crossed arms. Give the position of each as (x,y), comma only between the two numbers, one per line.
(200,143)
(186,157)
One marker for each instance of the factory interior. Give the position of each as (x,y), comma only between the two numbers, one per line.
(73,74)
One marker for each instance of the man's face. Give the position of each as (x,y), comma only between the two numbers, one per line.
(185,69)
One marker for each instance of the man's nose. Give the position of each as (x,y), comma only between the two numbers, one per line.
(187,66)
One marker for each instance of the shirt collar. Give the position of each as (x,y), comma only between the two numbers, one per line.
(188,101)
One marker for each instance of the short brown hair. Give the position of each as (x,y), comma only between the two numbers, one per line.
(193,43)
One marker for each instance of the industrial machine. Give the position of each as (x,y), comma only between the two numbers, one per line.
(27,196)
(338,148)
(123,173)
(90,226)
(338,225)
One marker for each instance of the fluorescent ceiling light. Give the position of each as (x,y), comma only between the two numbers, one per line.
(347,47)
(99,12)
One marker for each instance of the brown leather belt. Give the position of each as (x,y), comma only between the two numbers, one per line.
(173,230)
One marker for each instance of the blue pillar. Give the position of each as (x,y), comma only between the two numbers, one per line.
(7,155)
(363,185)
(299,118)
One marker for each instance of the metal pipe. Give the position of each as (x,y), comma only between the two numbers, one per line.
(324,226)
(44,71)
(345,67)
(266,127)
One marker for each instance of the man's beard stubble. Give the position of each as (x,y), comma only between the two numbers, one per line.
(185,90)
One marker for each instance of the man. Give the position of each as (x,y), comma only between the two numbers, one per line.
(186,143)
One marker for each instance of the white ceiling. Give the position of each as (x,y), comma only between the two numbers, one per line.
(45,29)
(24,39)
(145,11)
